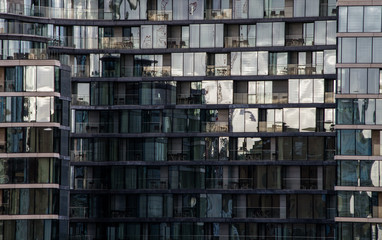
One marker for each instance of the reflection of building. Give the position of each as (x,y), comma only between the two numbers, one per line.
(190,119)
(358,121)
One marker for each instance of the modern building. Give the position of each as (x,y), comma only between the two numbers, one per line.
(189,119)
(359,119)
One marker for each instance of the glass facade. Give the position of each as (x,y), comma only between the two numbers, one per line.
(357,121)
(184,119)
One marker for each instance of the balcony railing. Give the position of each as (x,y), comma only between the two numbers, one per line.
(159,15)
(234,42)
(213,14)
(295,69)
(213,70)
(177,43)
(298,40)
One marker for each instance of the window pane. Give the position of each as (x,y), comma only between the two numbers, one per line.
(264,34)
(177,64)
(363,142)
(377,49)
(342,19)
(146,36)
(279,34)
(306,90)
(45,78)
(358,78)
(363,50)
(372,19)
(355,19)
(307,119)
(349,44)
(373,80)
(30,78)
(291,119)
(207,35)
(249,63)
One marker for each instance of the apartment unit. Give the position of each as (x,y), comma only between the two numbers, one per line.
(189,119)
(358,120)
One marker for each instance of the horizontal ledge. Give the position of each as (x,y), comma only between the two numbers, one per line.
(355,157)
(30,94)
(29,155)
(29,217)
(350,219)
(34,185)
(30,124)
(358,126)
(358,189)
(29,63)
(363,95)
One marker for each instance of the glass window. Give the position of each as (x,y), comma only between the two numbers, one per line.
(146,36)
(225,92)
(180,10)
(30,78)
(355,20)
(306,91)
(378,111)
(369,111)
(358,77)
(278,34)
(342,19)
(349,44)
(320,33)
(194,35)
(249,63)
(160,36)
(363,142)
(264,34)
(177,64)
(307,119)
(373,80)
(207,33)
(256,8)
(251,119)
(347,142)
(299,8)
(331,32)
(372,19)
(293,90)
(377,49)
(200,64)
(359,111)
(363,50)
(238,120)
(262,63)
(312,8)
(291,119)
(45,78)
(236,63)
(43,107)
(345,111)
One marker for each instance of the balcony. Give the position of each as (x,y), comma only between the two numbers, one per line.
(213,70)
(159,15)
(298,40)
(177,43)
(215,14)
(234,42)
(80,99)
(295,69)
